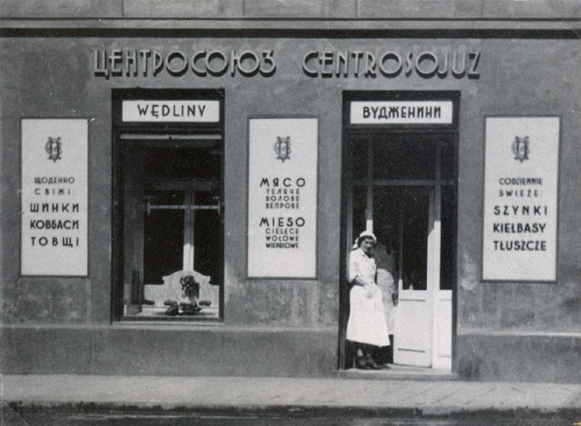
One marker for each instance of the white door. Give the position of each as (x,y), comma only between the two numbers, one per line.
(413,321)
(423,320)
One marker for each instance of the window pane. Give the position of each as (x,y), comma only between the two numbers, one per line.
(182,163)
(207,246)
(447,249)
(412,157)
(415,220)
(359,159)
(163,244)
(359,209)
(448,160)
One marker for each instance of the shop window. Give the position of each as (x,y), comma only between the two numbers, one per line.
(172,226)
(168,256)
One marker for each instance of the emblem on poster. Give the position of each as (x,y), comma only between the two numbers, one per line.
(53,149)
(520,148)
(282,148)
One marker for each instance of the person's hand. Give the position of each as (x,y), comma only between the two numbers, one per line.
(369,290)
(394,298)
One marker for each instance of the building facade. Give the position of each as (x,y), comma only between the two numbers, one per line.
(182,185)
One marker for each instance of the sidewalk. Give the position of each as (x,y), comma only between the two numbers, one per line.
(439,397)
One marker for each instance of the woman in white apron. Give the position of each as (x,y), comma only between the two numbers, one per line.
(367,327)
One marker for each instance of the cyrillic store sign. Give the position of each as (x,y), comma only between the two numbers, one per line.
(402,112)
(171,111)
(357,62)
(54,197)
(282,198)
(520,199)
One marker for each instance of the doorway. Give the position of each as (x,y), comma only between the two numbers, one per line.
(401,186)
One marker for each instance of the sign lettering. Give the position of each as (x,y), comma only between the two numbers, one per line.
(520,199)
(390,64)
(54,197)
(171,111)
(131,62)
(282,202)
(202,63)
(402,112)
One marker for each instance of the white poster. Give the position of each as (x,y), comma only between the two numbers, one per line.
(520,199)
(282,198)
(54,197)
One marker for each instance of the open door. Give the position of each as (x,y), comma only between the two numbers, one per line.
(401,191)
(416,277)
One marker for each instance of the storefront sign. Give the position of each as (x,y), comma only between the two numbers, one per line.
(392,63)
(171,111)
(54,197)
(130,62)
(282,198)
(402,112)
(520,199)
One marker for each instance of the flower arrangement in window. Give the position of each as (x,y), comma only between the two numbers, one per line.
(190,286)
(191,290)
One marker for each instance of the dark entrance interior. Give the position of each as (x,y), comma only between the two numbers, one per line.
(400,183)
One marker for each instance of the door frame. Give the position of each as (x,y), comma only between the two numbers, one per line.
(449,130)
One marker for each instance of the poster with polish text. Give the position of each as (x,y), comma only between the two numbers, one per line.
(520,199)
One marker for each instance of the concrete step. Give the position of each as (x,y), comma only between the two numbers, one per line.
(401,372)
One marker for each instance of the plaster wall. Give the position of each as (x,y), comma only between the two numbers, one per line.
(53,77)
(320,9)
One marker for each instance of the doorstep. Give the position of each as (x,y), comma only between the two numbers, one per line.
(401,372)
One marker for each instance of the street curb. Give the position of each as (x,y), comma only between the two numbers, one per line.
(291,410)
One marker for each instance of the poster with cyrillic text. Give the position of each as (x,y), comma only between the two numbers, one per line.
(282,198)
(520,199)
(54,197)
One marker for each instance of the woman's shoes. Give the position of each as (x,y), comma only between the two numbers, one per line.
(361,363)
(366,363)
(372,364)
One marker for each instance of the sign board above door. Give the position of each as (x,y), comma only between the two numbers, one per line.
(401,112)
(195,111)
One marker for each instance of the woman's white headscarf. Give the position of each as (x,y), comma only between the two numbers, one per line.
(364,234)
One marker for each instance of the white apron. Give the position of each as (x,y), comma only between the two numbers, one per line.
(367,322)
(386,281)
